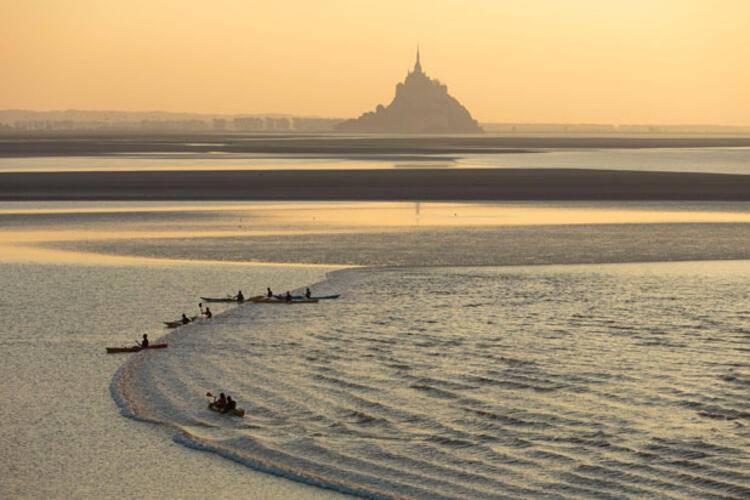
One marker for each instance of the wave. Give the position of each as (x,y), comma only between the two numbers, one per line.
(369,398)
(124,391)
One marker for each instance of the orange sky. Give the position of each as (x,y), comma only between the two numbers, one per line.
(604,61)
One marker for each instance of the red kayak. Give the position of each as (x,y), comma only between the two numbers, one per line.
(135,348)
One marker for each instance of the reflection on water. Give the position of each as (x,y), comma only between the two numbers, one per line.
(322,233)
(309,215)
(46,255)
(727,160)
(219,161)
(707,160)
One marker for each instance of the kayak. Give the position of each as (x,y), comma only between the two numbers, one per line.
(284,301)
(178,323)
(229,299)
(135,348)
(225,299)
(237,412)
(314,297)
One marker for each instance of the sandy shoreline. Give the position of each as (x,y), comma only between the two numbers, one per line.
(376,185)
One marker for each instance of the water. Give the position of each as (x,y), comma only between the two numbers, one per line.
(62,433)
(380,234)
(720,160)
(705,160)
(433,378)
(607,381)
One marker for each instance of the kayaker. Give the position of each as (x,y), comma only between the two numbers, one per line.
(221,403)
(208,314)
(144,342)
(230,405)
(269,294)
(308,293)
(240,297)
(288,296)
(185,320)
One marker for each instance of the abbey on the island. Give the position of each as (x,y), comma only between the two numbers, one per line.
(421,105)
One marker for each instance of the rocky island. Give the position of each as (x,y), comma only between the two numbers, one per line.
(421,105)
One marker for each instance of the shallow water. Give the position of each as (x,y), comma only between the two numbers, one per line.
(575,381)
(377,234)
(62,434)
(706,160)
(615,380)
(725,160)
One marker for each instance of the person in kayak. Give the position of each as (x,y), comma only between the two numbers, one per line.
(221,403)
(240,298)
(230,405)
(144,342)
(185,320)
(269,293)
(308,293)
(288,296)
(208,313)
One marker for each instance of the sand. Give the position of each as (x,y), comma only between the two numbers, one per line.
(376,185)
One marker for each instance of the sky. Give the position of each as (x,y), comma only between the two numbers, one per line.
(561,61)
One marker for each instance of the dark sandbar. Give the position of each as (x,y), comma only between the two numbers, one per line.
(376,185)
(325,145)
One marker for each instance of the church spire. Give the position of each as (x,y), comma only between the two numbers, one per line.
(418,65)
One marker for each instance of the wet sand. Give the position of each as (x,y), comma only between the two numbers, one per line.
(376,185)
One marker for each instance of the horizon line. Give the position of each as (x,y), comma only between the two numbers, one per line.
(329,117)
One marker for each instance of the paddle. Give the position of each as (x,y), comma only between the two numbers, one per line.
(209,395)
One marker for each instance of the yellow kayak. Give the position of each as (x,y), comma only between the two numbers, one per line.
(284,301)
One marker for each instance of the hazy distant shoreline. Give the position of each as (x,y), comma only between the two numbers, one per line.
(30,122)
(376,185)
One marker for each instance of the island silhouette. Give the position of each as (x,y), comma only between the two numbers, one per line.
(421,105)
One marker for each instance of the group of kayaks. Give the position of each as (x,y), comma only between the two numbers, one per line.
(258,299)
(274,299)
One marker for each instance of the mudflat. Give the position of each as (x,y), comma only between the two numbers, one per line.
(375,185)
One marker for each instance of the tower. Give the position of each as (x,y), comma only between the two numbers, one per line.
(418,64)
